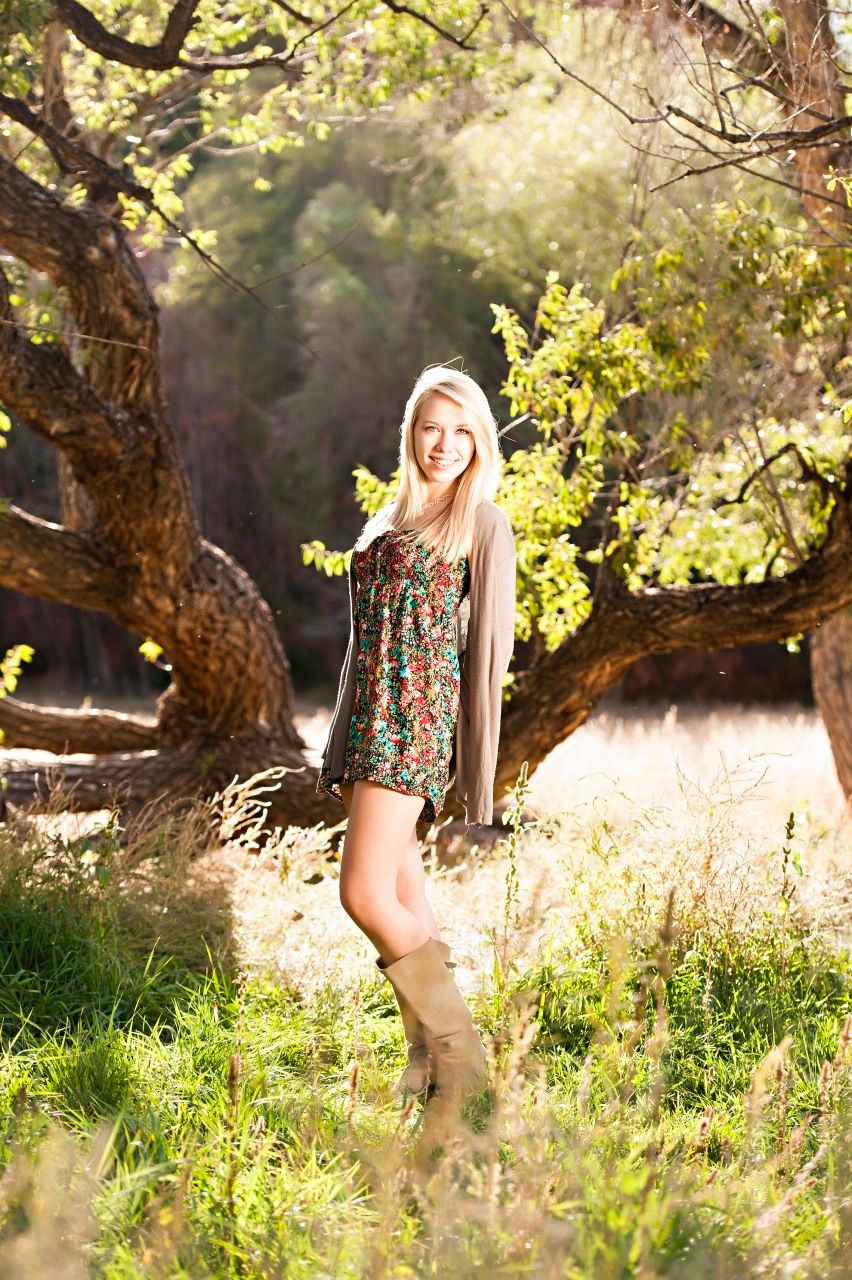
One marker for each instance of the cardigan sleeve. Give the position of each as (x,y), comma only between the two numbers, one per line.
(490,643)
(335,743)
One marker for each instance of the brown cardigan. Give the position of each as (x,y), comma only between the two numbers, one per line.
(486,651)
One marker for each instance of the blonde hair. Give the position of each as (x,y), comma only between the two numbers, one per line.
(450,534)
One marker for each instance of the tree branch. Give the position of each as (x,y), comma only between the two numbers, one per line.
(168,53)
(790,137)
(55,106)
(43,559)
(558,693)
(808,473)
(40,385)
(710,615)
(573,75)
(710,26)
(115,778)
(294,13)
(157,57)
(461,41)
(121,458)
(713,27)
(61,731)
(70,156)
(84,252)
(102,178)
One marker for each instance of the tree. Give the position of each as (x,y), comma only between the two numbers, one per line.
(633,579)
(102,131)
(772,84)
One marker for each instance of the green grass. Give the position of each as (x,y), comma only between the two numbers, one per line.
(166,1114)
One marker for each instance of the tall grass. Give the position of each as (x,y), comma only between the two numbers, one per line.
(667,1009)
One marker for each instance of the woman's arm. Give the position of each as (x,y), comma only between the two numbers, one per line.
(338,729)
(490,643)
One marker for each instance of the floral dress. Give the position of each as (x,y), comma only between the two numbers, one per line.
(404,714)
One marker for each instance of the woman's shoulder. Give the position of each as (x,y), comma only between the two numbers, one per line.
(488,514)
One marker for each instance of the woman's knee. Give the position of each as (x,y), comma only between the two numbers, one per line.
(349,899)
(374,849)
(363,903)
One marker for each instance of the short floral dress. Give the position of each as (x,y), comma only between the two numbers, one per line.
(406,702)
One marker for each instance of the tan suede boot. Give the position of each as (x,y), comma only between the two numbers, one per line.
(456,1056)
(414,1077)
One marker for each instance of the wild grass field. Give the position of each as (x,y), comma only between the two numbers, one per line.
(198,1053)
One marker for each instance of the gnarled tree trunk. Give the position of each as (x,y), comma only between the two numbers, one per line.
(129,544)
(831,673)
(816,85)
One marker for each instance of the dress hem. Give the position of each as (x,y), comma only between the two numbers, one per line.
(329,784)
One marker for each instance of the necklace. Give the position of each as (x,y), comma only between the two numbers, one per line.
(427,505)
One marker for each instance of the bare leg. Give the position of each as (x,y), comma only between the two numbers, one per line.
(411,886)
(411,879)
(381,825)
(382,887)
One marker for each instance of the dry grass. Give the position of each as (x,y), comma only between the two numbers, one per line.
(628,804)
(777,760)
(632,803)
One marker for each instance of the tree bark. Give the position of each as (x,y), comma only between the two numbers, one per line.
(817,86)
(130,545)
(157,57)
(831,672)
(59,730)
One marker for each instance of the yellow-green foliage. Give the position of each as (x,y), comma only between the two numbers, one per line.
(362,58)
(631,459)
(10,669)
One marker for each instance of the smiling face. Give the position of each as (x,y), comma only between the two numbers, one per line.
(443,443)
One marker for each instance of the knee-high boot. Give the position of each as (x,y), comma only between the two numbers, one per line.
(414,1077)
(456,1056)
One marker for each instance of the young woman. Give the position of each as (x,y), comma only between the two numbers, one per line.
(419,698)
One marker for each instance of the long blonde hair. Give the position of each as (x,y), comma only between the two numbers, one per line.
(450,534)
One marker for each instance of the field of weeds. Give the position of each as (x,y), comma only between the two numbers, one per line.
(198,1053)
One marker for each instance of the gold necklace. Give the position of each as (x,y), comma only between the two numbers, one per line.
(427,505)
